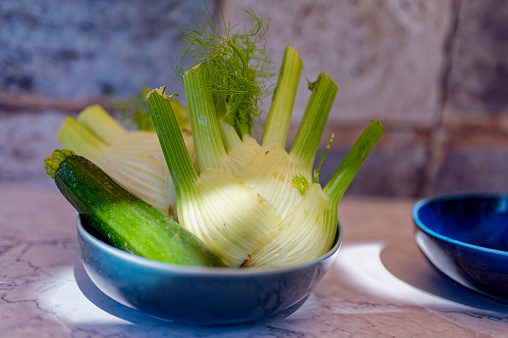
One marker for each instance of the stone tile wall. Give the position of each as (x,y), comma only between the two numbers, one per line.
(434,72)
(57,57)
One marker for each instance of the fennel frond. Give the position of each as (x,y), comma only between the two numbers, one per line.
(239,66)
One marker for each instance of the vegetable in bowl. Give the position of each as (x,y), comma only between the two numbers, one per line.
(132,158)
(252,204)
(124,220)
(237,222)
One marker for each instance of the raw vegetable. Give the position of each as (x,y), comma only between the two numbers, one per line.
(238,76)
(273,171)
(235,221)
(124,220)
(133,158)
(215,206)
(240,68)
(251,212)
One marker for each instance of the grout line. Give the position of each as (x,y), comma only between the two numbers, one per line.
(447,67)
(434,150)
(14,102)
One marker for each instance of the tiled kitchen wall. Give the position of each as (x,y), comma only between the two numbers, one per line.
(434,72)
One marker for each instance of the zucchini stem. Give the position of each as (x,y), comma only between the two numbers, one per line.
(52,163)
(279,117)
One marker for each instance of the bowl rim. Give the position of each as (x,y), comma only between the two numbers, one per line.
(202,270)
(451,197)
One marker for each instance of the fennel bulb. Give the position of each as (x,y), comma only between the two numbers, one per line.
(235,221)
(215,206)
(132,158)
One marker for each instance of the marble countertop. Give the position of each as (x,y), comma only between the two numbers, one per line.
(380,285)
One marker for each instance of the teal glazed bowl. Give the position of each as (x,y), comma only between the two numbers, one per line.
(198,295)
(466,237)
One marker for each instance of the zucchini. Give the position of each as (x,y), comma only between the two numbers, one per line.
(126,221)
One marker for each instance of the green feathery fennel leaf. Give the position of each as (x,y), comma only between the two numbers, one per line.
(238,64)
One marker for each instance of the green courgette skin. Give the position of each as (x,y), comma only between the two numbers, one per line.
(127,222)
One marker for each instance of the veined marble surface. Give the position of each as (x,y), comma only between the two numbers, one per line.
(379,286)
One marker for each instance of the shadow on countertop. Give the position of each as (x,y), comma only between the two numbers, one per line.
(409,264)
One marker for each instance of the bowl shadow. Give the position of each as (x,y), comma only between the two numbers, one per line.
(103,302)
(408,263)
(112,307)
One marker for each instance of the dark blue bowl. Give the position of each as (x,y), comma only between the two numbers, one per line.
(198,295)
(466,237)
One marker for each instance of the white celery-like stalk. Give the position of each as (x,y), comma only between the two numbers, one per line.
(78,138)
(311,128)
(344,174)
(279,118)
(171,140)
(102,124)
(206,133)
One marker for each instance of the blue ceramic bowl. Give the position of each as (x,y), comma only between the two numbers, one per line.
(466,237)
(198,295)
